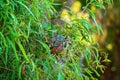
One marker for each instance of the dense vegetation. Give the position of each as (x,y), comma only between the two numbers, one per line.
(36,44)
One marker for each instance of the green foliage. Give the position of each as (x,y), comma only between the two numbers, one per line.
(26,28)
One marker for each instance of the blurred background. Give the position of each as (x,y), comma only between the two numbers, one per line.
(109,19)
(110,40)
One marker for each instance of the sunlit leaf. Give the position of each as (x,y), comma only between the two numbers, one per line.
(22,50)
(98,4)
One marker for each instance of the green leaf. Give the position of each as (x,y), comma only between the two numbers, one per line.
(3,39)
(22,49)
(60,76)
(14,48)
(96,72)
(99,29)
(45,46)
(87,70)
(26,8)
(20,71)
(87,25)
(28,27)
(108,1)
(98,4)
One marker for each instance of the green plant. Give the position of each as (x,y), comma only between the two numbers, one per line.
(25,30)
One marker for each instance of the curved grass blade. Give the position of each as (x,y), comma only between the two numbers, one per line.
(3,38)
(22,49)
(26,8)
(14,48)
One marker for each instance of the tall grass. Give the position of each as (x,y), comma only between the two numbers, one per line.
(25,29)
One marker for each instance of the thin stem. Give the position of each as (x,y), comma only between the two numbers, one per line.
(7,69)
(87,6)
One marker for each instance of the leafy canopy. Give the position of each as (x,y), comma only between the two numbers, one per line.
(26,29)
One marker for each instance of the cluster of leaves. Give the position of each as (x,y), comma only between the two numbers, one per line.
(25,29)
